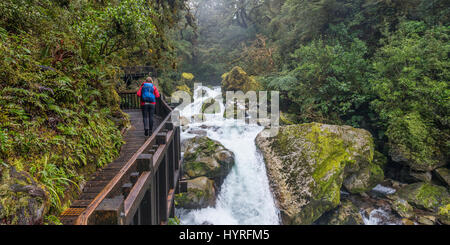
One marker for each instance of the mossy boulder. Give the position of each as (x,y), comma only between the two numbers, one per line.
(345,214)
(210,107)
(22,200)
(444,175)
(200,194)
(308,163)
(238,80)
(287,118)
(444,214)
(425,195)
(206,157)
(402,208)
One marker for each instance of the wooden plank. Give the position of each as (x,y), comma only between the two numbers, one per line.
(136,195)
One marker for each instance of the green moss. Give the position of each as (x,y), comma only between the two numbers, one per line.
(425,195)
(210,107)
(238,80)
(331,157)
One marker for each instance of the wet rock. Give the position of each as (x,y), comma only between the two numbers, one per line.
(444,214)
(407,222)
(210,107)
(402,208)
(308,163)
(402,154)
(184,121)
(425,195)
(206,157)
(198,132)
(426,220)
(22,200)
(200,194)
(421,175)
(444,175)
(345,214)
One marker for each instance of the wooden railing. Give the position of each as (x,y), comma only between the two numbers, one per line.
(143,190)
(136,72)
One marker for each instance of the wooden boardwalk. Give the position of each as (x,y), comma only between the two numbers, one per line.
(134,138)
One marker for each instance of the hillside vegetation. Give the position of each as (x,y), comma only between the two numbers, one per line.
(380,65)
(59,109)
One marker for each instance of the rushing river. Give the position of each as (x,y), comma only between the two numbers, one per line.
(245,197)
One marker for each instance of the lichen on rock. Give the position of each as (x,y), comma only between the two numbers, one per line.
(200,194)
(345,214)
(308,163)
(22,200)
(425,195)
(206,157)
(206,164)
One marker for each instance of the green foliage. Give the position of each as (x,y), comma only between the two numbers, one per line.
(329,82)
(60,64)
(411,84)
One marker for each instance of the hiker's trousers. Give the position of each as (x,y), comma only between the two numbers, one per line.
(148,110)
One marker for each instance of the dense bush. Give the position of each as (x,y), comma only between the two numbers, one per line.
(412,88)
(59,67)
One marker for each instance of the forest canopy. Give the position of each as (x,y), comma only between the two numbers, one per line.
(381,65)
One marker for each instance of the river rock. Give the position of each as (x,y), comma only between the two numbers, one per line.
(425,195)
(444,214)
(200,194)
(307,165)
(444,175)
(22,200)
(402,208)
(403,154)
(426,219)
(198,132)
(206,157)
(211,107)
(345,214)
(184,121)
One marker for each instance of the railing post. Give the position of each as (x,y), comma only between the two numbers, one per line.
(109,212)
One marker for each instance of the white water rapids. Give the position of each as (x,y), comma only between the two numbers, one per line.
(245,197)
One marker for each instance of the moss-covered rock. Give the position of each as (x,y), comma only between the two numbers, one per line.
(22,200)
(444,175)
(238,80)
(425,195)
(444,214)
(402,208)
(210,107)
(206,157)
(345,214)
(308,163)
(200,194)
(287,118)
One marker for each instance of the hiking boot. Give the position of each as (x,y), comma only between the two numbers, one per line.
(146,132)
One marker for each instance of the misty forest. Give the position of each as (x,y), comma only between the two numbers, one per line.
(363,87)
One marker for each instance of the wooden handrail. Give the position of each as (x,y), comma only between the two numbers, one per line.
(114,184)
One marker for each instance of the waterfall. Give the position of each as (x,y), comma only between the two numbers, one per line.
(245,197)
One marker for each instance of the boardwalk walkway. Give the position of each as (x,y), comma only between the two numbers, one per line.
(134,138)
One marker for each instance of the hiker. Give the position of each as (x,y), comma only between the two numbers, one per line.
(148,93)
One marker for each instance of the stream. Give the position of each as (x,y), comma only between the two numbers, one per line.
(245,197)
